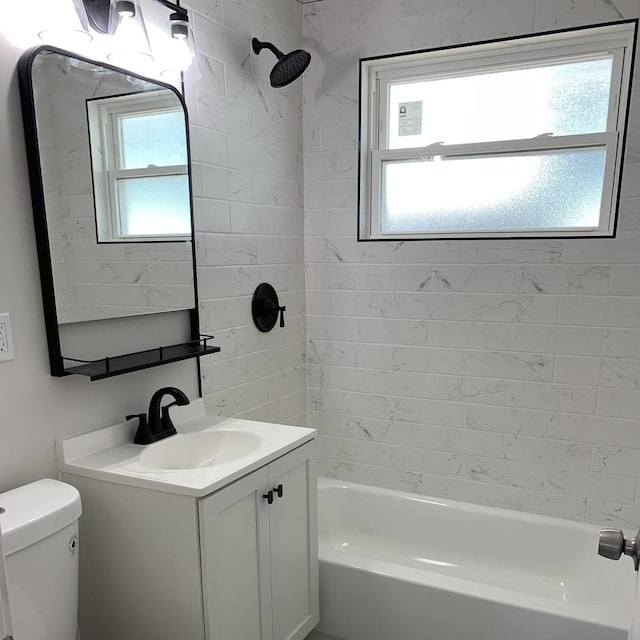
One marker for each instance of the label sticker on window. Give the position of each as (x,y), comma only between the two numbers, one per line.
(410,122)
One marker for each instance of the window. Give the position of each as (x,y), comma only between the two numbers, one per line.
(516,138)
(140,168)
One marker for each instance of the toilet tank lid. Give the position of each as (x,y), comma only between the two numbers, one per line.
(35,511)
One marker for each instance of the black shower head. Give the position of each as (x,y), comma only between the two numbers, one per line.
(289,67)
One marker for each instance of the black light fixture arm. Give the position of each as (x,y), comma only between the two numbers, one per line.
(173,6)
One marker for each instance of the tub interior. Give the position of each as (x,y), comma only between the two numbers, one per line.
(534,555)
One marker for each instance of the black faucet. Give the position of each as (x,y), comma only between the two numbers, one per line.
(158,426)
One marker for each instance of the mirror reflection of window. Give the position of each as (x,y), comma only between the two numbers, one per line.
(139,163)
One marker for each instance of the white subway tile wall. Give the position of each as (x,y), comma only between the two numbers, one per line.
(247,156)
(504,373)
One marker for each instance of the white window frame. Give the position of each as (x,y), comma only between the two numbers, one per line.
(106,160)
(377,74)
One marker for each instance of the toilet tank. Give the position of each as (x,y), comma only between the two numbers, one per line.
(40,543)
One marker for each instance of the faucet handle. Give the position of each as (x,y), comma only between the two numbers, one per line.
(133,416)
(143,434)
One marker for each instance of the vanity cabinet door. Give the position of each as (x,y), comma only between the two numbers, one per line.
(294,545)
(260,560)
(234,541)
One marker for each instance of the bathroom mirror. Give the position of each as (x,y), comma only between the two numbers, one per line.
(110,178)
(113,160)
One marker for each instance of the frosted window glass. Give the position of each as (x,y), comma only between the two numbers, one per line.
(562,99)
(154,139)
(154,206)
(525,191)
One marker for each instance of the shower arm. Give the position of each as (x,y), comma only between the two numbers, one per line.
(259,46)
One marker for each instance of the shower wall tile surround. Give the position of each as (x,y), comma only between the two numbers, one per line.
(247,160)
(504,373)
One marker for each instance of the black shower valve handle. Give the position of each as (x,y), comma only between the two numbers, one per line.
(281,310)
(269,304)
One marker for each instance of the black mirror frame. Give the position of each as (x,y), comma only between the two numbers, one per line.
(107,367)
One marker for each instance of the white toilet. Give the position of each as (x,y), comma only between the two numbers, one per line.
(40,544)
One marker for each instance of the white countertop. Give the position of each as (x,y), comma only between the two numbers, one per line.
(109,454)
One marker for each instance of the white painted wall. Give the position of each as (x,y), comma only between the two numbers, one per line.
(35,408)
(497,372)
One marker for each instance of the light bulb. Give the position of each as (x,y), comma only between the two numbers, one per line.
(130,43)
(65,24)
(126,10)
(183,54)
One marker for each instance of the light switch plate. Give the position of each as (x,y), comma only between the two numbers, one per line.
(6,338)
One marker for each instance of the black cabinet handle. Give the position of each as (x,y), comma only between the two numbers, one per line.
(279,490)
(268,497)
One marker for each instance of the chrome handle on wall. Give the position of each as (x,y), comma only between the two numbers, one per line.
(613,544)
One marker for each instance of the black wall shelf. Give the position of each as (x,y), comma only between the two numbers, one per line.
(117,365)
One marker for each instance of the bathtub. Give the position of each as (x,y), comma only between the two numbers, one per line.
(399,566)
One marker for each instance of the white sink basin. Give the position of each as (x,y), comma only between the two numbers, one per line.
(208,453)
(202,449)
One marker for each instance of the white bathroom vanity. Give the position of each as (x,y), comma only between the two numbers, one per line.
(209,534)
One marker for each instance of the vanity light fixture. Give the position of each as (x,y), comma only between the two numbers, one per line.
(66,23)
(123,20)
